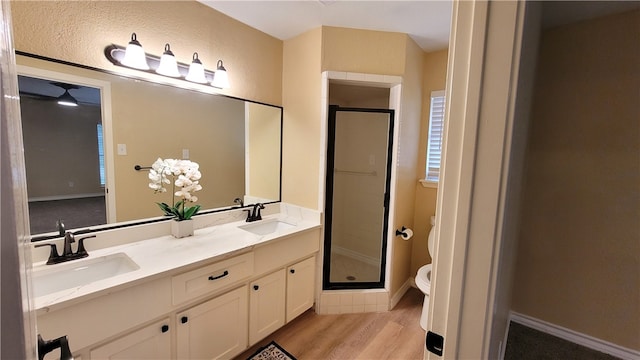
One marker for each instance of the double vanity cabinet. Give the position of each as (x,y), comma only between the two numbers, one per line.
(205,310)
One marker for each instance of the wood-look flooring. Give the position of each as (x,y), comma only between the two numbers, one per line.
(372,336)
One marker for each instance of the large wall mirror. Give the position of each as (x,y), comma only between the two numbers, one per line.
(80,160)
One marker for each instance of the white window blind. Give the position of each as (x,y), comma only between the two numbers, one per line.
(434,143)
(103,180)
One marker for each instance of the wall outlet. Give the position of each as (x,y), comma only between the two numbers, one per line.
(185,154)
(122,149)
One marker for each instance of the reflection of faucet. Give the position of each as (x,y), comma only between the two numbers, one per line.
(255,215)
(46,346)
(67,252)
(239,201)
(60,227)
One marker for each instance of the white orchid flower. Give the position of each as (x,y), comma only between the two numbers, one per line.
(185,175)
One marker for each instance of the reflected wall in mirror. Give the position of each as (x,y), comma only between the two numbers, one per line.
(236,142)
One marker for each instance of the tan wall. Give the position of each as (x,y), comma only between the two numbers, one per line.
(363,51)
(434,78)
(301,83)
(579,256)
(60,148)
(78,31)
(174,120)
(408,141)
(263,148)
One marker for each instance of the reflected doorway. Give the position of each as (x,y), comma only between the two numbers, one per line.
(357,197)
(64,154)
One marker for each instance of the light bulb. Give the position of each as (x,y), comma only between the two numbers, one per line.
(196,71)
(134,55)
(168,64)
(220,77)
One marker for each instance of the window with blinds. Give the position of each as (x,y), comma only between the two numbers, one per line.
(103,180)
(434,142)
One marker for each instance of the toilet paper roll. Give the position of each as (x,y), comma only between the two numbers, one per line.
(407,234)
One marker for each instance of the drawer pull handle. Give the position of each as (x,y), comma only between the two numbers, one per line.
(184,319)
(256,287)
(225,273)
(293,271)
(165,328)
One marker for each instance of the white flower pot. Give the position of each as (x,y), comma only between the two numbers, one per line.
(180,229)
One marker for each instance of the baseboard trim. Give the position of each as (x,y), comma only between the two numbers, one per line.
(395,299)
(66,197)
(575,337)
(356,255)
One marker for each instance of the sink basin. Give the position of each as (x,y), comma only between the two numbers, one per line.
(266,227)
(48,279)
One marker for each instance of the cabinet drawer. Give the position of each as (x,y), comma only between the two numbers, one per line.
(207,279)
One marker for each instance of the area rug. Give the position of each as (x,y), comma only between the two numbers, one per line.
(272,351)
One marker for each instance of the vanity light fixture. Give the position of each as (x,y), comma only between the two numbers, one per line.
(196,71)
(220,78)
(134,56)
(168,63)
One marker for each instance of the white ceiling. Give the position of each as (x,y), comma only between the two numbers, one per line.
(426,21)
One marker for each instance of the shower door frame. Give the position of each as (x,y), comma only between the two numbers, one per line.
(326,266)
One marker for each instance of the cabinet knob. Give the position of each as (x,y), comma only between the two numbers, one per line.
(165,328)
(256,287)
(184,319)
(293,271)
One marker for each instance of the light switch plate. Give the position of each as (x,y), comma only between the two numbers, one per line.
(185,154)
(122,149)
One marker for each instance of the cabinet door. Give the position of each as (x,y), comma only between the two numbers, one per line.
(266,305)
(300,287)
(215,329)
(151,342)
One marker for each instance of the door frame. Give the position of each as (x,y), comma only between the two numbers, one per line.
(107,127)
(331,132)
(479,177)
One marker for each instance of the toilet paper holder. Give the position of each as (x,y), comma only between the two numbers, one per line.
(405,233)
(401,232)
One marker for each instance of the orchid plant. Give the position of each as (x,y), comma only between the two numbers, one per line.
(185,176)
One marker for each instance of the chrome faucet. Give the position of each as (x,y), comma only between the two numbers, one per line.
(67,251)
(255,214)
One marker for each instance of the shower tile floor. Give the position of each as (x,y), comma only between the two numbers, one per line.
(348,269)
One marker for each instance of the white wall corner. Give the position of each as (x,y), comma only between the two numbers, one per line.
(395,299)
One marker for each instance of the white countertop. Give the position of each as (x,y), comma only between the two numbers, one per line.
(163,255)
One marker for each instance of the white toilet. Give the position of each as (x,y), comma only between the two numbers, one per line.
(423,278)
